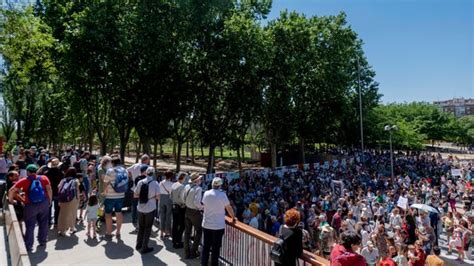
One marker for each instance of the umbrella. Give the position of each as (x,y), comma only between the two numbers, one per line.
(424,207)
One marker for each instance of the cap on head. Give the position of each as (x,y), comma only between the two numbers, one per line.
(150,171)
(143,168)
(217,182)
(32,168)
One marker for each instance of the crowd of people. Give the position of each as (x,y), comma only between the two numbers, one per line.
(363,201)
(74,188)
(356,213)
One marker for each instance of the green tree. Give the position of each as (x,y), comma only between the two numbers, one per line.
(26,44)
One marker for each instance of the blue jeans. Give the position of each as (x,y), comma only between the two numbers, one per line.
(36,213)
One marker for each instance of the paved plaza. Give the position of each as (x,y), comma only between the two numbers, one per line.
(78,250)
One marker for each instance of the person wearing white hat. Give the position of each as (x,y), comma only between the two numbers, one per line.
(193,216)
(215,203)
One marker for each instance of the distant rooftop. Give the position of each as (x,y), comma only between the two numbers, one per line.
(455,101)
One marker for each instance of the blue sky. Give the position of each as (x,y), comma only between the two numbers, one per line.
(421,50)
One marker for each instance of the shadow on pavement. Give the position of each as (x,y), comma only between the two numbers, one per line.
(66,242)
(38,256)
(117,250)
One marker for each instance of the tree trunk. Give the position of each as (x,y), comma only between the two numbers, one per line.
(174,150)
(239,161)
(91,142)
(202,152)
(122,149)
(18,130)
(210,163)
(155,154)
(137,151)
(146,145)
(273,152)
(222,152)
(178,157)
(243,152)
(192,152)
(162,155)
(187,150)
(103,147)
(302,155)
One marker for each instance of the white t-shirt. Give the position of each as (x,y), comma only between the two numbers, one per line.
(92,212)
(134,171)
(254,222)
(214,202)
(166,187)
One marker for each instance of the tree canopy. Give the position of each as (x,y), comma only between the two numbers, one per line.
(207,72)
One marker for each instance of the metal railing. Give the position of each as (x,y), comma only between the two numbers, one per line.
(244,245)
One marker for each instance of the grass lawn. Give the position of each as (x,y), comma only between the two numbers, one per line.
(228,154)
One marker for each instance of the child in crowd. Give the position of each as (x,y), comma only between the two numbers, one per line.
(82,196)
(91,214)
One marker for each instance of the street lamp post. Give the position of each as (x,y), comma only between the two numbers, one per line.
(360,108)
(390,129)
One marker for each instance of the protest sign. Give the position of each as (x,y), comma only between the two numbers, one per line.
(456,172)
(402,202)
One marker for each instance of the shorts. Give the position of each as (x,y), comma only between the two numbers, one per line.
(113,205)
(92,219)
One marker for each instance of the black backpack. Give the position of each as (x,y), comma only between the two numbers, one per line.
(143,197)
(280,248)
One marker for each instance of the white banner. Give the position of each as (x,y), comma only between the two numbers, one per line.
(402,202)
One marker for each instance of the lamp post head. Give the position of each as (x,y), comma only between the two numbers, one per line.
(390,128)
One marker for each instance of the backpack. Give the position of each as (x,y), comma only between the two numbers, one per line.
(280,248)
(36,192)
(138,179)
(143,196)
(67,191)
(120,184)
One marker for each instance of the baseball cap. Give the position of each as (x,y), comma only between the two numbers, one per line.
(150,171)
(217,181)
(32,168)
(143,168)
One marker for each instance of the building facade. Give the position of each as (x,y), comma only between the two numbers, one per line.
(457,106)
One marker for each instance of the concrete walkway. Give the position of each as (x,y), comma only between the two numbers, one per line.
(78,250)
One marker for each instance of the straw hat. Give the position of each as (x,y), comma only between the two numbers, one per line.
(195,177)
(326,228)
(55,163)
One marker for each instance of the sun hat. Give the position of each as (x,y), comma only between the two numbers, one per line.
(55,163)
(326,228)
(195,177)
